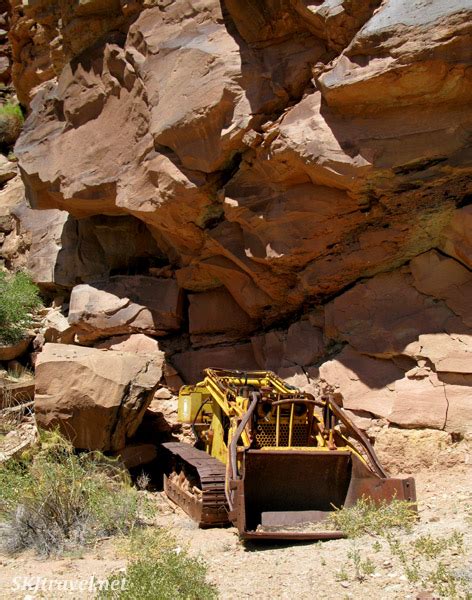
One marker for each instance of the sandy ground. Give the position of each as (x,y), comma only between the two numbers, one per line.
(289,571)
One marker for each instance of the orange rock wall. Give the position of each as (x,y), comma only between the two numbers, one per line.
(302,169)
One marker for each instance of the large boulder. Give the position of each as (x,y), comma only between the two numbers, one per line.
(417,321)
(14,350)
(335,22)
(47,232)
(56,328)
(44,35)
(414,398)
(456,239)
(60,251)
(446,279)
(304,344)
(420,400)
(64,251)
(13,242)
(447,352)
(396,43)
(414,451)
(123,305)
(367,384)
(8,169)
(97,398)
(135,343)
(352,179)
(268,349)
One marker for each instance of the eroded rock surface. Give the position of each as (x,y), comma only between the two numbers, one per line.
(125,304)
(296,175)
(410,345)
(97,398)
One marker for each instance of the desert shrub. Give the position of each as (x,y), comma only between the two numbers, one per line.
(18,297)
(374,518)
(11,122)
(14,479)
(158,570)
(426,562)
(56,499)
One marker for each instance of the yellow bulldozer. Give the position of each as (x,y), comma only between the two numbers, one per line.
(271,459)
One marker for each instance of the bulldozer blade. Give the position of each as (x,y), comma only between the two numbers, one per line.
(288,518)
(289,494)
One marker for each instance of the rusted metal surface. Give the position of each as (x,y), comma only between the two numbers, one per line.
(287,494)
(208,507)
(366,484)
(292,535)
(283,494)
(291,484)
(355,433)
(277,520)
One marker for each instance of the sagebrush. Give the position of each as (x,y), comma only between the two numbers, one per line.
(56,499)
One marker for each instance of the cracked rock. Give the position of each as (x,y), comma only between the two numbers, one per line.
(97,398)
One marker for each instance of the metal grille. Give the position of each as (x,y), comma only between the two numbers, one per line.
(265,434)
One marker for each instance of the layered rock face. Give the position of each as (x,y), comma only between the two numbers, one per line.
(279,184)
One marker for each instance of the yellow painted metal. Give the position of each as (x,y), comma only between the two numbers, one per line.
(290,427)
(190,401)
(274,439)
(218,447)
(217,398)
(305,448)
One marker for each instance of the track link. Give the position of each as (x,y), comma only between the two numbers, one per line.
(208,508)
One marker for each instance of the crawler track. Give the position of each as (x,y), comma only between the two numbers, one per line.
(195,481)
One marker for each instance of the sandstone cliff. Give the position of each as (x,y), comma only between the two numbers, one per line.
(278,184)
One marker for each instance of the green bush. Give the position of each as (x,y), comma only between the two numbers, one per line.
(11,122)
(57,500)
(12,110)
(19,296)
(374,518)
(159,571)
